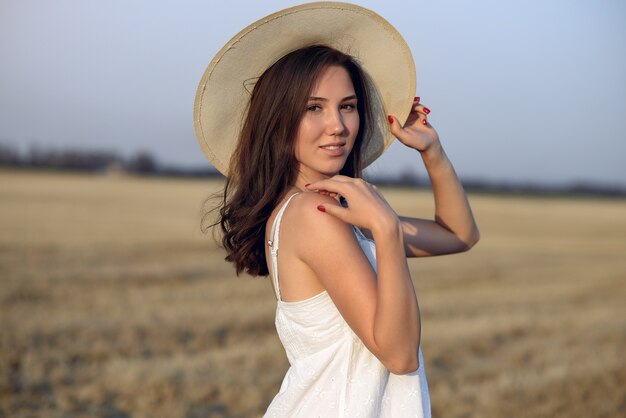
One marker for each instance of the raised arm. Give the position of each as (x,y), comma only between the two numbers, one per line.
(381,307)
(453,229)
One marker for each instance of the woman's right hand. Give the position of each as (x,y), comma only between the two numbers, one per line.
(367,208)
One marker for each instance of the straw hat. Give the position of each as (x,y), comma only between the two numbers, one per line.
(224,91)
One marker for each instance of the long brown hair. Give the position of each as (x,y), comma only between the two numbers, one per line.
(263,166)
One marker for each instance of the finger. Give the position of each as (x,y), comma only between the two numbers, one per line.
(326,193)
(327,189)
(400,132)
(396,129)
(337,184)
(421,112)
(419,108)
(340,177)
(318,185)
(337,211)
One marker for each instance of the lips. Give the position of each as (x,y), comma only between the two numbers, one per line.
(334,150)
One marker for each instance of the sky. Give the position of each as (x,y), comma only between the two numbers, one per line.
(519,91)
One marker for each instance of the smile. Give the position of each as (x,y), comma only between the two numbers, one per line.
(334,150)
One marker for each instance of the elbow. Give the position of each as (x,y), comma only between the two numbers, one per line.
(403,366)
(471,240)
(475,238)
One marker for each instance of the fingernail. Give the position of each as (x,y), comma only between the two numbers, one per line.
(424,121)
(390,118)
(321,208)
(416,99)
(426,110)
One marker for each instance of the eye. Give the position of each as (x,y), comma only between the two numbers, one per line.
(348,106)
(313,108)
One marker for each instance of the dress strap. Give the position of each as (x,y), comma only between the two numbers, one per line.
(273,244)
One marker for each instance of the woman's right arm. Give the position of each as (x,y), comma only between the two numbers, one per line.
(381,307)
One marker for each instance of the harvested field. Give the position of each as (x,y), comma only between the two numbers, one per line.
(113,304)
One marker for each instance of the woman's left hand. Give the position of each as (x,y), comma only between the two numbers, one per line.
(416,133)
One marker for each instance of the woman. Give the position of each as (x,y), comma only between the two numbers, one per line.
(347,313)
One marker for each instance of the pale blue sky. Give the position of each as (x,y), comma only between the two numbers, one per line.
(525,90)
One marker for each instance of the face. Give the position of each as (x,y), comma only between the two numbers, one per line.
(328,129)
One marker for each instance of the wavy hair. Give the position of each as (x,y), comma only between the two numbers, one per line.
(264,166)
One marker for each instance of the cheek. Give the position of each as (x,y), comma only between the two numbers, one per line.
(305,131)
(299,149)
(354,125)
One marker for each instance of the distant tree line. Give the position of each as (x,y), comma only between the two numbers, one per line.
(144,163)
(511,188)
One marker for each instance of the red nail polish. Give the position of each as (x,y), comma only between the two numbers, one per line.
(424,121)
(390,118)
(426,110)
(416,99)
(321,208)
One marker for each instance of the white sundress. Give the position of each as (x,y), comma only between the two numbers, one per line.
(332,373)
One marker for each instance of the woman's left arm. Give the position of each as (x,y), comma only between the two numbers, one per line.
(453,229)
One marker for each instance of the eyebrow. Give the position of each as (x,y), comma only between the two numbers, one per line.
(323,99)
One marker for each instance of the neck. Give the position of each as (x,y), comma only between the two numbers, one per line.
(306,178)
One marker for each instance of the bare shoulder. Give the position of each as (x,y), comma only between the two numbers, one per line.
(303,212)
(316,234)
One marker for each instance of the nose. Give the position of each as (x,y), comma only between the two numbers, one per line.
(335,124)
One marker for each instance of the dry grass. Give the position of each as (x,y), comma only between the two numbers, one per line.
(113,304)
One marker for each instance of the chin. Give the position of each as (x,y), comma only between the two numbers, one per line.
(332,172)
(336,168)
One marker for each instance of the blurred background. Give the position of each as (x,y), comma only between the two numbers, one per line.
(114,304)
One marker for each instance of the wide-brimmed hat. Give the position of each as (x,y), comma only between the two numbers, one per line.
(225,88)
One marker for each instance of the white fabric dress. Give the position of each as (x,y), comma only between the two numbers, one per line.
(332,373)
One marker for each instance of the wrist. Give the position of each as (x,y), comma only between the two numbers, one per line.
(433,155)
(387,229)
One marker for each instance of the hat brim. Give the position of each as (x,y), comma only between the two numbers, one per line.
(224,90)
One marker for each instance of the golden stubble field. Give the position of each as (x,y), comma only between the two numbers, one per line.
(113,304)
